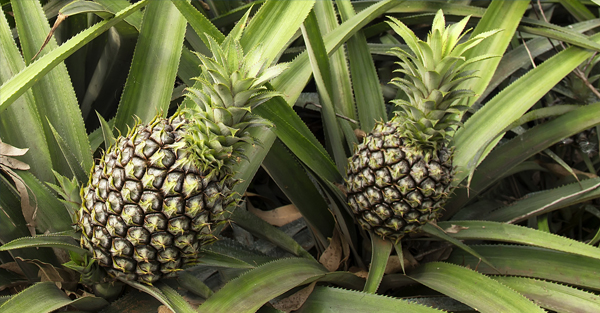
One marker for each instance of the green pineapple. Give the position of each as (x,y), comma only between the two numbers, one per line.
(401,174)
(155,196)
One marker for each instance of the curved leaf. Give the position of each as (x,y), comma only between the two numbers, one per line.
(331,300)
(165,294)
(47,299)
(319,62)
(365,81)
(149,85)
(292,81)
(265,230)
(274,25)
(293,180)
(471,288)
(534,262)
(198,21)
(23,114)
(251,290)
(553,296)
(521,56)
(486,230)
(54,241)
(381,249)
(510,104)
(506,156)
(548,200)
(292,131)
(440,233)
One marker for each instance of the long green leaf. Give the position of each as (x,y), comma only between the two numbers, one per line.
(193,284)
(577,9)
(485,230)
(22,114)
(233,254)
(434,6)
(553,296)
(292,81)
(330,300)
(75,168)
(471,288)
(52,240)
(546,201)
(264,230)
(165,294)
(292,131)
(292,179)
(13,226)
(274,25)
(381,249)
(342,93)
(198,21)
(505,157)
(250,291)
(150,82)
(319,61)
(212,258)
(53,92)
(48,298)
(567,36)
(51,214)
(510,104)
(521,56)
(534,262)
(503,15)
(114,6)
(438,232)
(367,88)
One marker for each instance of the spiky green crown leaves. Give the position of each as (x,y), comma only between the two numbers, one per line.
(231,84)
(432,74)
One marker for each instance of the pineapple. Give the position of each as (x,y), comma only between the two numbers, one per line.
(156,195)
(400,176)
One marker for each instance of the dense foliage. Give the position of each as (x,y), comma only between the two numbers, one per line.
(518,232)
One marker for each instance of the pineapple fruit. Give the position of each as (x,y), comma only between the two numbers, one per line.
(401,174)
(155,196)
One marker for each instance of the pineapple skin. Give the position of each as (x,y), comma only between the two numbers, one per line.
(147,210)
(393,188)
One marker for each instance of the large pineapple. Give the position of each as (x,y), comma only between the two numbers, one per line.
(400,175)
(156,195)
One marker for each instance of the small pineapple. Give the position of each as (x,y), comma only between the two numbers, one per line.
(401,174)
(155,196)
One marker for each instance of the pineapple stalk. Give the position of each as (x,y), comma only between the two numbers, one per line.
(401,175)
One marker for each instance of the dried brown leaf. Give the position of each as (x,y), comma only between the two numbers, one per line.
(13,163)
(29,212)
(358,272)
(13,267)
(562,172)
(164,309)
(454,229)
(59,19)
(279,216)
(332,256)
(8,150)
(295,301)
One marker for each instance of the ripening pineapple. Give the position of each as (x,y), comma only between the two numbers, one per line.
(400,175)
(155,196)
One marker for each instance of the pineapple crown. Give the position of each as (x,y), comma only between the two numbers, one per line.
(230,86)
(431,76)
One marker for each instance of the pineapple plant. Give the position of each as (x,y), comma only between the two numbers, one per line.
(401,174)
(155,196)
